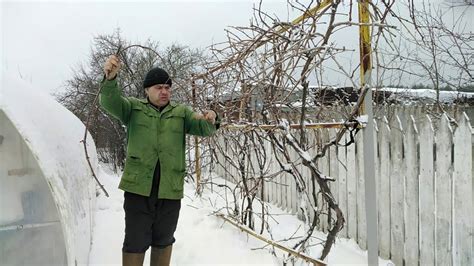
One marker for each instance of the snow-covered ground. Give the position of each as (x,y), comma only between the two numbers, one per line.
(204,239)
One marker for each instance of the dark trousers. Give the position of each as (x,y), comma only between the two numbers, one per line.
(149,221)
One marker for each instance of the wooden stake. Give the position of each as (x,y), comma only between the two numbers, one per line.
(273,243)
(196,143)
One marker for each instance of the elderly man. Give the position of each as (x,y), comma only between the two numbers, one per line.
(154,172)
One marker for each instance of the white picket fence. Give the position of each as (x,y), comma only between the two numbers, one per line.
(424,187)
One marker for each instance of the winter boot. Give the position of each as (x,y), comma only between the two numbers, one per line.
(132,259)
(160,256)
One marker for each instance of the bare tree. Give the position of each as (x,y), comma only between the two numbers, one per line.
(263,70)
(433,46)
(81,89)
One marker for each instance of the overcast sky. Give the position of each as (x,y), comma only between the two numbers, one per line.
(43,40)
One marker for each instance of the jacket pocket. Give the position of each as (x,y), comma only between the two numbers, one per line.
(175,123)
(133,164)
(141,134)
(140,118)
(178,180)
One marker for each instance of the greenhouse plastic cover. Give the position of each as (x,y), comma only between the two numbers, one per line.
(54,134)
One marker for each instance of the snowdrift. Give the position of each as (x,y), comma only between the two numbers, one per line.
(47,192)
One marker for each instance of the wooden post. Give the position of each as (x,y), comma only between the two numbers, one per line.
(243,101)
(196,143)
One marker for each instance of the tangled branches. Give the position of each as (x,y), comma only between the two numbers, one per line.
(261,75)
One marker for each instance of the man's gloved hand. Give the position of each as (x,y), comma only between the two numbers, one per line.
(209,115)
(112,67)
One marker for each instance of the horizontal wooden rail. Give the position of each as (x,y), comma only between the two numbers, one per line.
(293,126)
(273,243)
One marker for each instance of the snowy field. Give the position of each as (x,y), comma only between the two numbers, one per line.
(204,239)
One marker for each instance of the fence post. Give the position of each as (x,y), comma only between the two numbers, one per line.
(369,151)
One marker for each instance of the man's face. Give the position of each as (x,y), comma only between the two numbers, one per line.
(159,94)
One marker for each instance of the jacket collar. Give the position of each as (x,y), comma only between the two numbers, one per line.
(171,105)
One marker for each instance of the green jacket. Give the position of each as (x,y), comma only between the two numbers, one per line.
(152,135)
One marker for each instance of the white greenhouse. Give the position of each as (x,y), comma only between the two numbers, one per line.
(47,192)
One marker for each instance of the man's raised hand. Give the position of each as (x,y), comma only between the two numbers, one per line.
(112,67)
(209,116)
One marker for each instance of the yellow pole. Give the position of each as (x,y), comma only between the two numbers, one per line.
(364,43)
(307,14)
(311,12)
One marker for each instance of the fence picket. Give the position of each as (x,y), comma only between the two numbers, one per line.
(282,195)
(384,193)
(270,184)
(443,185)
(427,190)
(274,185)
(308,174)
(463,207)
(342,183)
(295,197)
(411,194)
(325,170)
(268,169)
(316,144)
(278,189)
(397,187)
(351,191)
(333,171)
(361,215)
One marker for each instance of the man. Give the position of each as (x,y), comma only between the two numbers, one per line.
(153,177)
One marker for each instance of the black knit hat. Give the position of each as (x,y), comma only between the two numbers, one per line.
(155,76)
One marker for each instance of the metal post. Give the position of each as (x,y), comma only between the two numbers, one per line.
(369,148)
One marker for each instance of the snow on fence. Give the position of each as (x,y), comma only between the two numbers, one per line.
(424,186)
